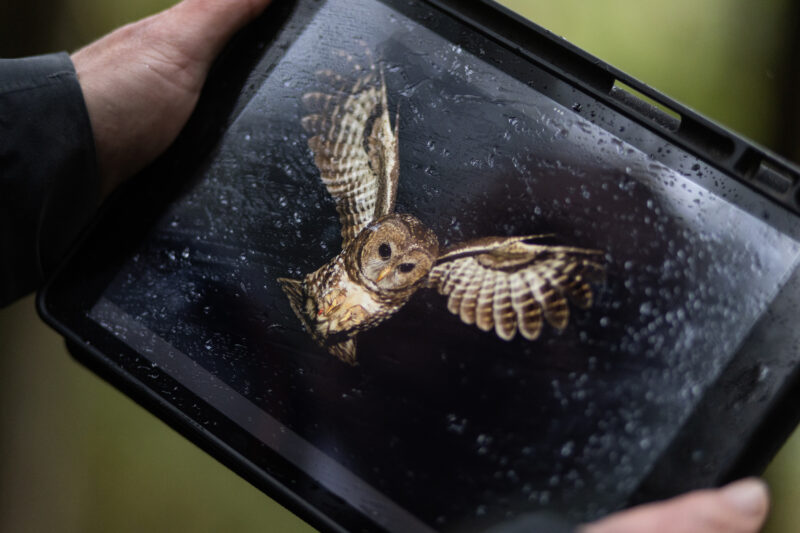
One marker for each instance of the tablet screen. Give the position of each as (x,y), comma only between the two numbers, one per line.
(442,426)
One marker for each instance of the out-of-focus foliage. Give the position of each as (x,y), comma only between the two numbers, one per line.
(78,456)
(723,58)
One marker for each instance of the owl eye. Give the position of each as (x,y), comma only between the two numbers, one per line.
(405,268)
(385,251)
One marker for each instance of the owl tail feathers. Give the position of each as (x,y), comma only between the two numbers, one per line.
(294,291)
(345,350)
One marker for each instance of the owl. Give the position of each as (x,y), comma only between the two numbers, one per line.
(507,284)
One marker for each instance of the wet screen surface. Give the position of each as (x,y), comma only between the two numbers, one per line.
(451,424)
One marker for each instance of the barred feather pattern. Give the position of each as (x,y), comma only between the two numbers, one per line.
(355,148)
(511,285)
(508,285)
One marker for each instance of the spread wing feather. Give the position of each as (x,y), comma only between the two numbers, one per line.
(511,284)
(355,148)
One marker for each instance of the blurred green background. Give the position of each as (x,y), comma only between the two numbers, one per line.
(76,455)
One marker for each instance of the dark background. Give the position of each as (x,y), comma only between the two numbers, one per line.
(84,462)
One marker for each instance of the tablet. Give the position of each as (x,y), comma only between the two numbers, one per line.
(421,266)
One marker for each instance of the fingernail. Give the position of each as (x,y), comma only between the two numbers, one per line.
(748,496)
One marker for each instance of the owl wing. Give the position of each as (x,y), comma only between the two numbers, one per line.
(508,283)
(355,148)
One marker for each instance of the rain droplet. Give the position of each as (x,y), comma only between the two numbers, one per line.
(567,449)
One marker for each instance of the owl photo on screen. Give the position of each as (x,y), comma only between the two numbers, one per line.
(508,284)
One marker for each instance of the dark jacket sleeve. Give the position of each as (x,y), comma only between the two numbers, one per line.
(48,170)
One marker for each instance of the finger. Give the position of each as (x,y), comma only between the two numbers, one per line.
(201,28)
(740,507)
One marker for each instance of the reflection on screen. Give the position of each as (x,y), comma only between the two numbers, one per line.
(443,426)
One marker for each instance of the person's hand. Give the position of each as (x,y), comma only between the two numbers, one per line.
(740,507)
(142,81)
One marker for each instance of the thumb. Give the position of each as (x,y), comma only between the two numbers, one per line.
(141,82)
(740,507)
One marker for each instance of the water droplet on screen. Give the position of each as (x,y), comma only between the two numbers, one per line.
(483,442)
(567,449)
(455,424)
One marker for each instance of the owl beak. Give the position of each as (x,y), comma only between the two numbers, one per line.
(384,273)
